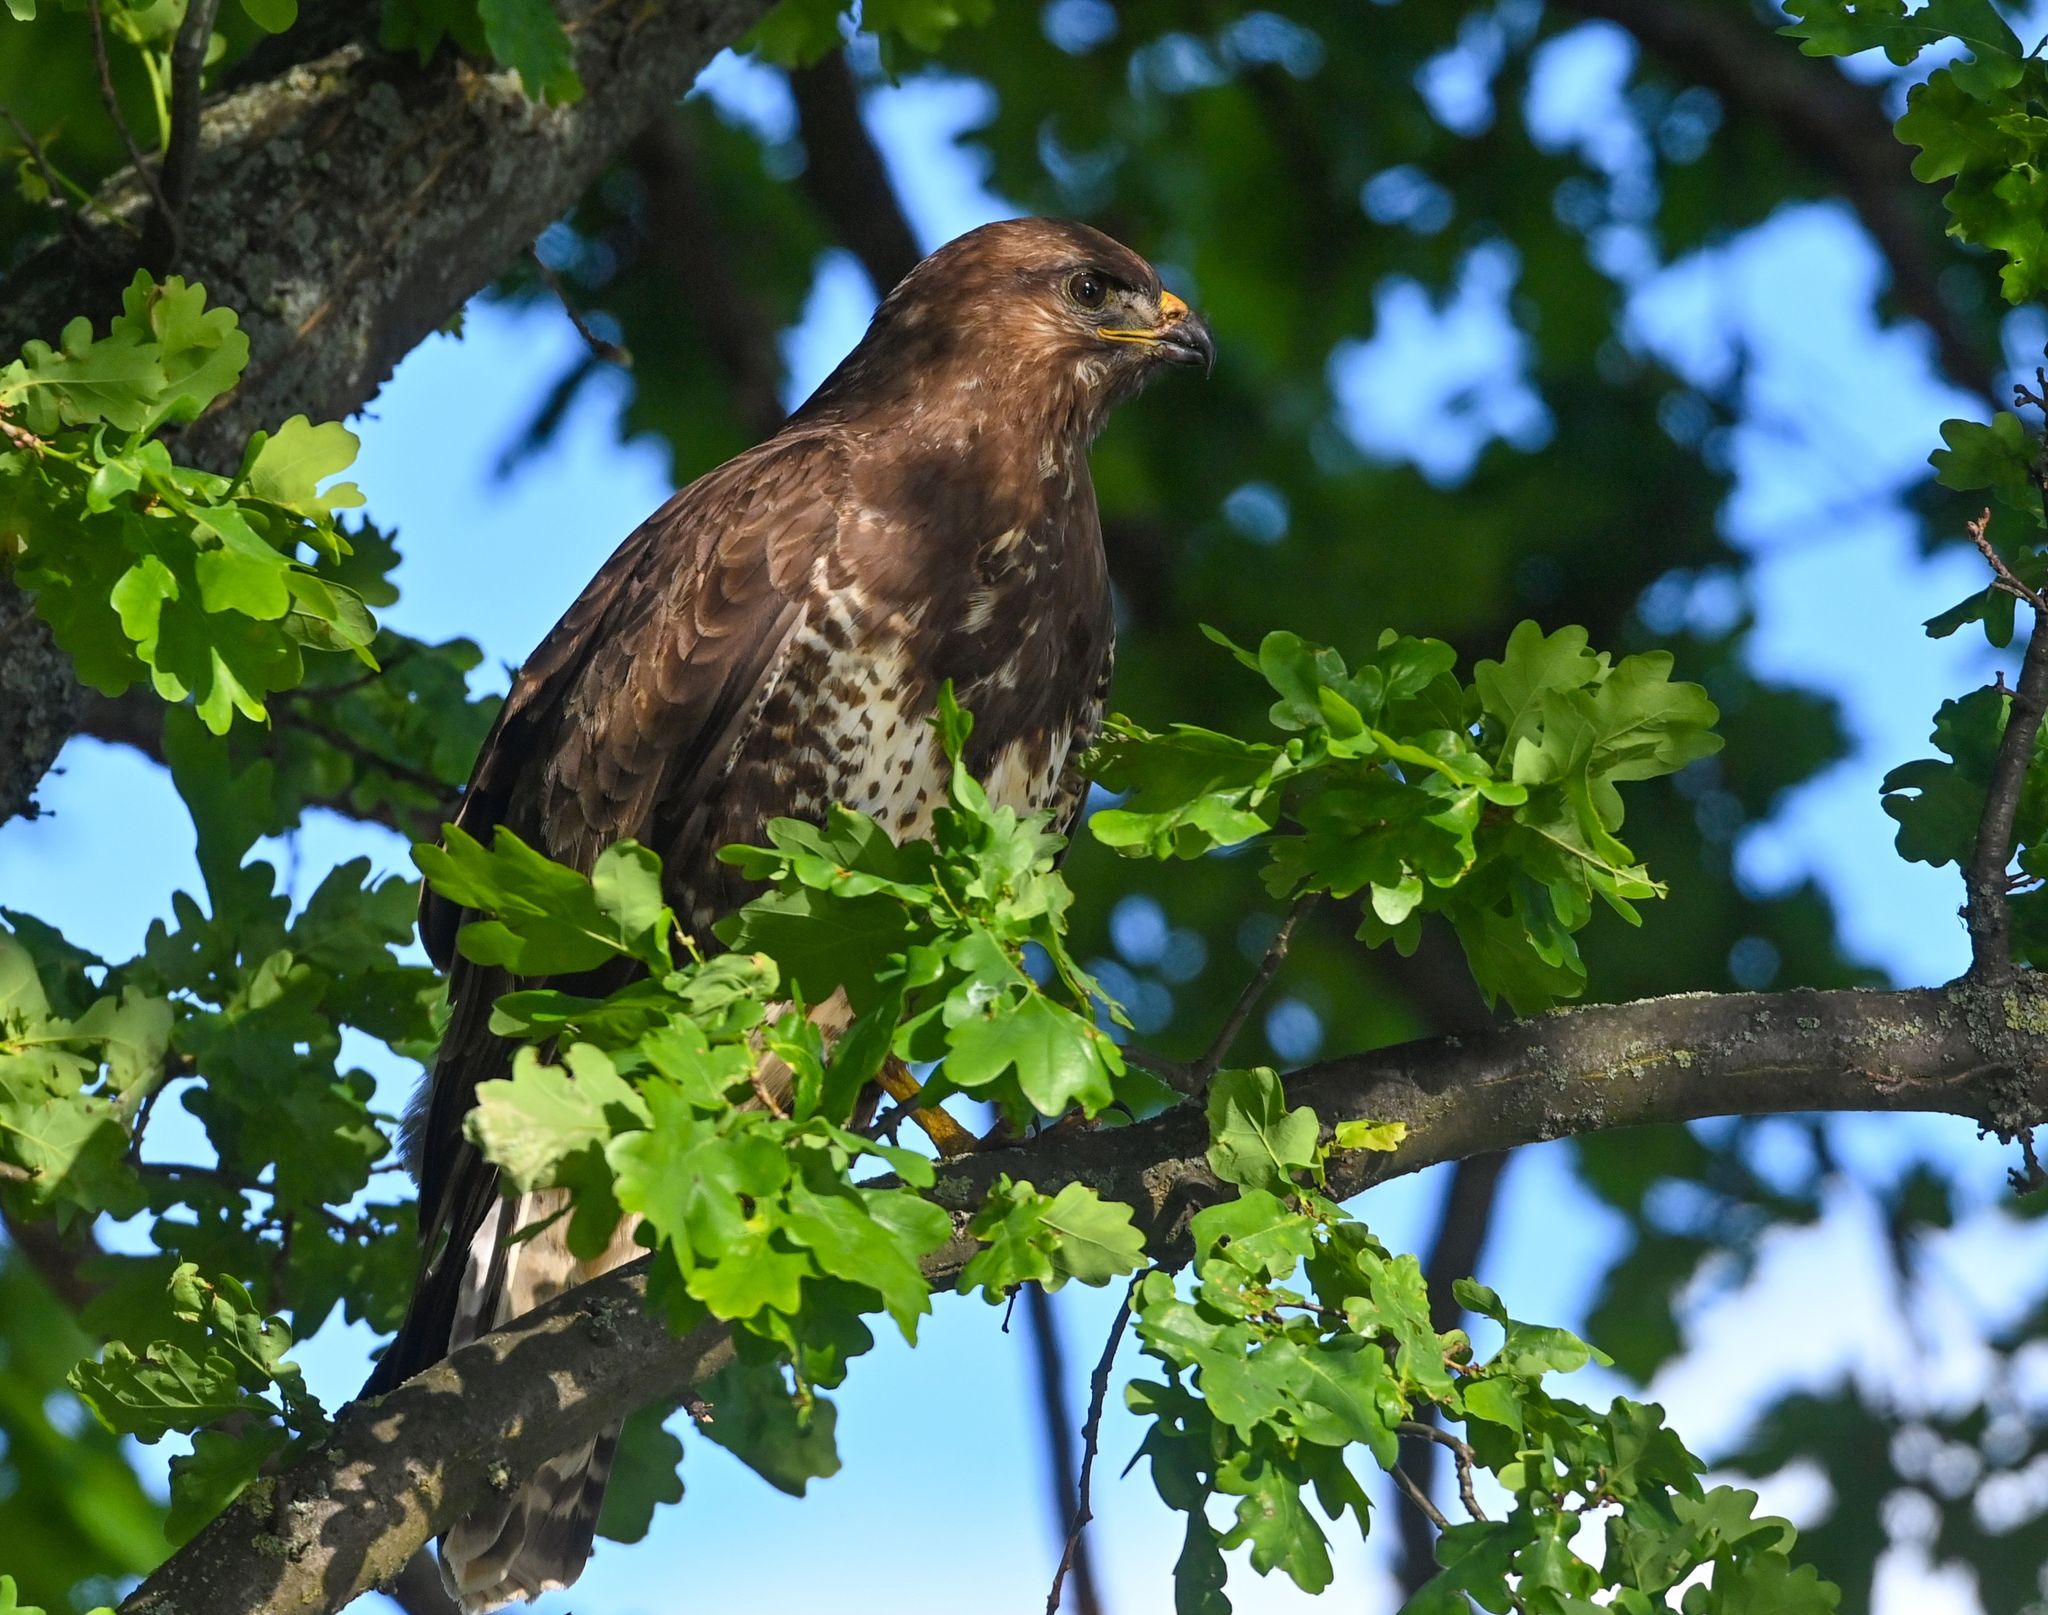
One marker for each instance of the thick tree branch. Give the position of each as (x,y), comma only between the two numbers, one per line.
(181,154)
(428,182)
(405,1466)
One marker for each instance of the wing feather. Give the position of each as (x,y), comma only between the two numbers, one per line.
(622,723)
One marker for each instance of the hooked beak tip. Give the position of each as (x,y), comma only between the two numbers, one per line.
(1188,342)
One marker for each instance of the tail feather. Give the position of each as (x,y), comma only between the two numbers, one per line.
(538,1536)
(535,1540)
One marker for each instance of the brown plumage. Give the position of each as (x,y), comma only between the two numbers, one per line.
(767,643)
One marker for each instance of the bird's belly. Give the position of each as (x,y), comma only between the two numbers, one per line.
(888,764)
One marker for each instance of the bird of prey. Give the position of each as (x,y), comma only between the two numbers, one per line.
(771,641)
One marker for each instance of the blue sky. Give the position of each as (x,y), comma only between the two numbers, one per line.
(1839,593)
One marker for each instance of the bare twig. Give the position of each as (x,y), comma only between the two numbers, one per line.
(1091,1440)
(1986,882)
(2003,576)
(1461,1455)
(10,1173)
(113,105)
(2029,1175)
(1062,1469)
(53,182)
(181,153)
(611,352)
(1416,1495)
(1248,1000)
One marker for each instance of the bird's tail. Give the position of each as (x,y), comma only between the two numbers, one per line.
(537,1536)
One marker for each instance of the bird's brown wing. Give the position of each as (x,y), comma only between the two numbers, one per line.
(622,721)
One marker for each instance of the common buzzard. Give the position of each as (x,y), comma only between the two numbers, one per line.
(769,642)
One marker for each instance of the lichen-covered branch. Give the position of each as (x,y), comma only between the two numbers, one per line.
(399,1469)
(347,207)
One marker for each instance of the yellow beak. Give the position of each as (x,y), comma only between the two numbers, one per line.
(1180,332)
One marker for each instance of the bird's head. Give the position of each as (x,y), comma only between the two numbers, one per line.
(1025,319)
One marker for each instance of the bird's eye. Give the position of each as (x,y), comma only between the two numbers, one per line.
(1088,290)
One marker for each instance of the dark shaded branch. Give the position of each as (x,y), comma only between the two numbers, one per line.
(1837,125)
(136,719)
(1469,1203)
(845,176)
(1436,979)
(57,1256)
(1985,908)
(1068,1484)
(1075,1556)
(428,181)
(112,103)
(686,238)
(181,153)
(405,1466)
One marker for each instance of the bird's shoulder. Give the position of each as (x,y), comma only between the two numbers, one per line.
(628,701)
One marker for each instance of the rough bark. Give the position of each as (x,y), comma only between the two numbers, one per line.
(400,1468)
(346,207)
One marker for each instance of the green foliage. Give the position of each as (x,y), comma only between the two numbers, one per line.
(1105,130)
(932,943)
(524,35)
(210,587)
(1268,1386)
(1049,1239)
(1495,804)
(1980,122)
(253,1000)
(798,32)
(68,1488)
(219,1372)
(2004,459)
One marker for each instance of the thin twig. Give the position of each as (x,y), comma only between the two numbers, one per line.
(609,351)
(113,105)
(1416,1495)
(1248,1000)
(2003,576)
(181,152)
(51,181)
(10,1173)
(1461,1455)
(1985,885)
(347,744)
(2029,1175)
(1091,1440)
(1062,1466)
